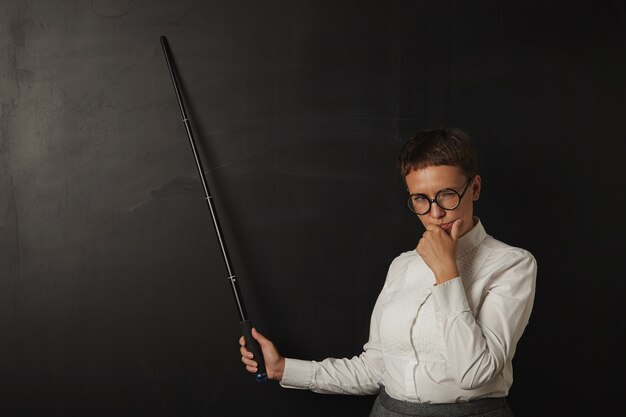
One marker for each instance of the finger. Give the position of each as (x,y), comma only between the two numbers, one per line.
(252,369)
(242,341)
(246,353)
(249,362)
(456,229)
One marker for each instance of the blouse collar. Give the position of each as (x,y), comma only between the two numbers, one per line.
(471,239)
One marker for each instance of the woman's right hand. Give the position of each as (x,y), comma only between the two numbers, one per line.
(274,363)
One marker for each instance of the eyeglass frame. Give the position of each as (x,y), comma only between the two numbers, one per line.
(434,200)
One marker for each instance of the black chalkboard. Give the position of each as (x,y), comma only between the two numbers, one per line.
(113,295)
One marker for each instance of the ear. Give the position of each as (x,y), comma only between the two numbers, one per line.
(476,187)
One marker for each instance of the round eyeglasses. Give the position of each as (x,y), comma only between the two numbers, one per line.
(447,199)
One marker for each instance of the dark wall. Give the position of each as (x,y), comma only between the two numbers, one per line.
(113,294)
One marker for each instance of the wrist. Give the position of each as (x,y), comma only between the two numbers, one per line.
(279,370)
(446,274)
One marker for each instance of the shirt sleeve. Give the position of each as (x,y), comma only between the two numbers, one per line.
(360,375)
(479,344)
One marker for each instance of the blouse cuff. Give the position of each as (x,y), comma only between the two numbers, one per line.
(297,374)
(450,298)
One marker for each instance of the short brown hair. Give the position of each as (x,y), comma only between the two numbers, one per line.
(435,147)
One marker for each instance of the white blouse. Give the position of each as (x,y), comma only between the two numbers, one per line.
(437,343)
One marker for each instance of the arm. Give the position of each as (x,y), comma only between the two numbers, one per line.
(478,347)
(359,375)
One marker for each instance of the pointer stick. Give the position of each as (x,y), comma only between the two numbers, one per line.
(246,325)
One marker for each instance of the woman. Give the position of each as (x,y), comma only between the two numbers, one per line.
(446,324)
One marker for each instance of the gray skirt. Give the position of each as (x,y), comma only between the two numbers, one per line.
(385,406)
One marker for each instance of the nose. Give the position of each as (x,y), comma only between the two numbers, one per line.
(436,211)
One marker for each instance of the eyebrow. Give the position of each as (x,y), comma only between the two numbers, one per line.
(445,188)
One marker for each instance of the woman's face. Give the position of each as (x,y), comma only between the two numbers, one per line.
(430,180)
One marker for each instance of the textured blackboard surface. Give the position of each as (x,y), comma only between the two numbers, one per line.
(113,295)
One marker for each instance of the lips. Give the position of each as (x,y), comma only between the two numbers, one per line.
(446,226)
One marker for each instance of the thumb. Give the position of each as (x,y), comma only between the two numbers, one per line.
(259,337)
(456,229)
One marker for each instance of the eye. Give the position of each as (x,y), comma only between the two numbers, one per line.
(446,194)
(418,198)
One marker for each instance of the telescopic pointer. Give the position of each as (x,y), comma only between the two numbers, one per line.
(246,325)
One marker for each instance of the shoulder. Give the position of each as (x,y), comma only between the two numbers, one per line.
(486,247)
(405,256)
(498,248)
(403,259)
(509,262)
(399,265)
